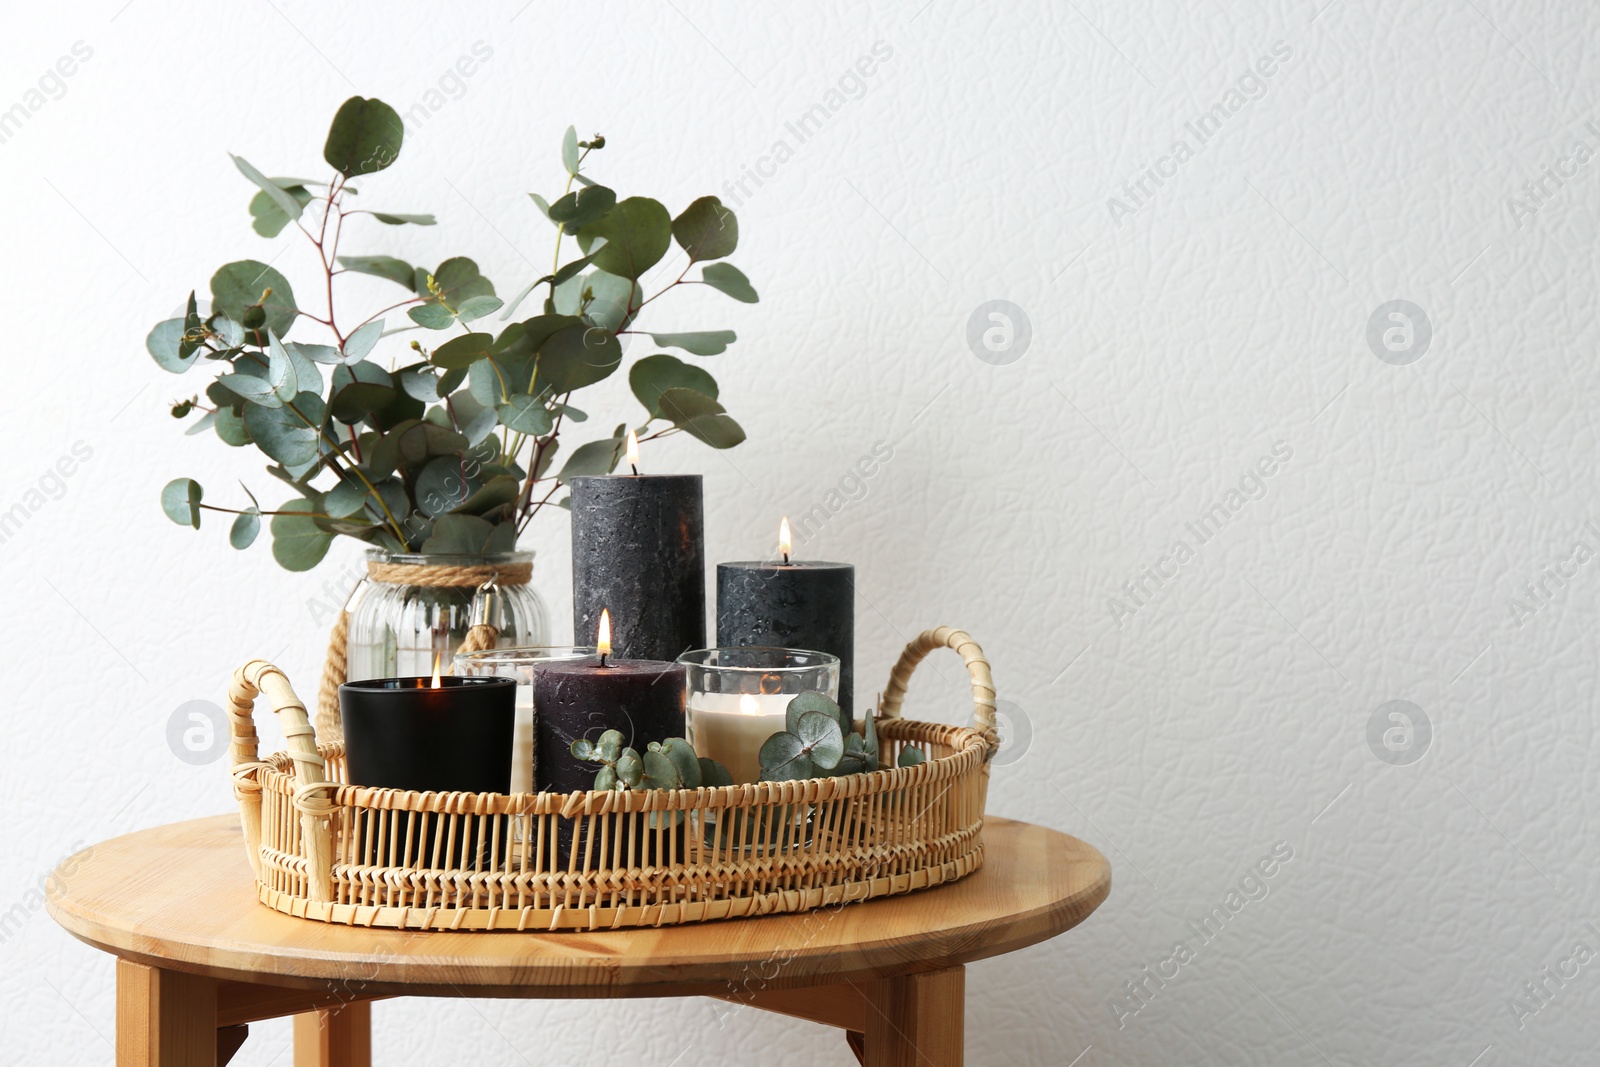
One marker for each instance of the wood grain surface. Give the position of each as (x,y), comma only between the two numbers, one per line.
(181,897)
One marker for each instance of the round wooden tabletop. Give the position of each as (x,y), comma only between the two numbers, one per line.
(181,897)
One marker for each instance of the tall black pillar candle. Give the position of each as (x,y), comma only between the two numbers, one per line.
(638,549)
(791,604)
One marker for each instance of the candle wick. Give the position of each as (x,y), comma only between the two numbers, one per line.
(634,469)
(786,559)
(603,659)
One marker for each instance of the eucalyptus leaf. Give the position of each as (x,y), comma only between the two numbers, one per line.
(637,233)
(784,759)
(805,703)
(578,356)
(596,457)
(727,278)
(526,414)
(238,286)
(910,757)
(314,353)
(476,307)
(458,353)
(700,343)
(298,543)
(459,535)
(701,417)
(365,137)
(204,423)
(180,499)
(443,485)
(582,206)
(475,421)
(358,389)
(280,197)
(252,387)
(231,428)
(541,203)
(431,316)
(267,218)
(362,340)
(163,344)
(283,434)
(280,370)
(245,528)
(654,375)
(397,220)
(824,743)
(611,299)
(395,270)
(569,150)
(706,230)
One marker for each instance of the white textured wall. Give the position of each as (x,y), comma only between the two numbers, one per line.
(1173,347)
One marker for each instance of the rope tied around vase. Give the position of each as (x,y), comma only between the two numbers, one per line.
(484,579)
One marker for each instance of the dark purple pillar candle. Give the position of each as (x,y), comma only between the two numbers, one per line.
(800,604)
(641,699)
(638,549)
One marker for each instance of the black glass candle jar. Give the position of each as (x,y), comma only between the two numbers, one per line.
(414,733)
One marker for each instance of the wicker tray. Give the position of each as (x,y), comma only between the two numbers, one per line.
(326,850)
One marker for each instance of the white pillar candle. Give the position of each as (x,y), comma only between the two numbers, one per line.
(731,728)
(522,742)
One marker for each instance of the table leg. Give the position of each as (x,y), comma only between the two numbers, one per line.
(165,1018)
(334,1037)
(917,1020)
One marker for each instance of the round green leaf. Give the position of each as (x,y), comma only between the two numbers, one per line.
(266,217)
(610,298)
(700,343)
(784,759)
(460,535)
(365,137)
(706,230)
(459,353)
(164,343)
(358,390)
(581,207)
(729,279)
(431,316)
(180,499)
(238,286)
(637,232)
(526,414)
(298,543)
(819,732)
(910,757)
(399,220)
(578,356)
(596,457)
(805,703)
(701,417)
(396,270)
(245,529)
(654,375)
(231,428)
(282,434)
(441,487)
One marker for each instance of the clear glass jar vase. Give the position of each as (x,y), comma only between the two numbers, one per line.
(416,607)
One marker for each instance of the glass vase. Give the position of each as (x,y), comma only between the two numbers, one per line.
(406,619)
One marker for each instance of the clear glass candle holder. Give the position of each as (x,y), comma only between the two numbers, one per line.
(738,697)
(520,664)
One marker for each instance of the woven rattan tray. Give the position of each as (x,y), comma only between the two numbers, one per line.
(329,851)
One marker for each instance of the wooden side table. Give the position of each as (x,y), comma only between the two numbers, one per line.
(198,958)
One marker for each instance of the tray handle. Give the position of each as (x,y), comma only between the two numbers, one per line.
(313,795)
(977,667)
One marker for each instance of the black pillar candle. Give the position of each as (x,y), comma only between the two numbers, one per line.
(641,699)
(794,604)
(638,549)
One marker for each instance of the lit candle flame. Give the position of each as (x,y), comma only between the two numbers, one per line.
(748,705)
(603,641)
(435,683)
(785,539)
(633,451)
